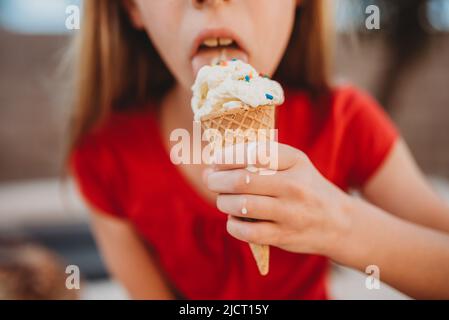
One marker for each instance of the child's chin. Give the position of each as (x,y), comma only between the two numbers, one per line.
(208,56)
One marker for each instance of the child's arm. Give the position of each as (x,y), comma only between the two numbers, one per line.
(411,258)
(128,259)
(400,188)
(305,213)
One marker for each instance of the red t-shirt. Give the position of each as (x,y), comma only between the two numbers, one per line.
(124,170)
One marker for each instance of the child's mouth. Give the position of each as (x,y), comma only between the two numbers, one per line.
(210,48)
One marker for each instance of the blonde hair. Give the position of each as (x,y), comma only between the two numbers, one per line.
(112,62)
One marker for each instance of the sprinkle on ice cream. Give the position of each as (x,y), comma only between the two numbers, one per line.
(232,84)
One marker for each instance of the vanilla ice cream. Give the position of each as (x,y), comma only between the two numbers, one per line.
(232,84)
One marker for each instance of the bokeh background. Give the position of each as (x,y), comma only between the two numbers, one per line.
(405,65)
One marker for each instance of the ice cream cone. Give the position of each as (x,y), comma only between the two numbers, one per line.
(238,104)
(261,254)
(232,126)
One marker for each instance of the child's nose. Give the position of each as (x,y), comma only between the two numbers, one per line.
(202,3)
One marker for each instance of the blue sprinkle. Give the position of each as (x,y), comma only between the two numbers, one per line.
(269,96)
(247,78)
(234,59)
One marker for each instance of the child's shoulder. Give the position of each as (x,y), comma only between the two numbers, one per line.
(341,98)
(349,120)
(117,143)
(359,112)
(117,129)
(109,157)
(367,132)
(349,100)
(344,104)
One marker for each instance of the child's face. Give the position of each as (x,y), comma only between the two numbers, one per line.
(185,32)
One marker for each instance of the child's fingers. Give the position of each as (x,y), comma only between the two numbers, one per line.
(242,181)
(270,155)
(249,206)
(257,232)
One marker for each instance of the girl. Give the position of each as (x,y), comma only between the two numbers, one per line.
(162,231)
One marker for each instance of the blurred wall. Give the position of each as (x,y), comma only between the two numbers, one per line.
(32,124)
(419,103)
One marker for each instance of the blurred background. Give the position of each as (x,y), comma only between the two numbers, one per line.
(404,64)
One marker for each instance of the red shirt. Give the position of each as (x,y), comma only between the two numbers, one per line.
(124,170)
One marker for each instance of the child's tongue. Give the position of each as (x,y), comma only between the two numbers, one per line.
(209,56)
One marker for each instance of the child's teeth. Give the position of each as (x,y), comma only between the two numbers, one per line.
(212,42)
(215,42)
(225,41)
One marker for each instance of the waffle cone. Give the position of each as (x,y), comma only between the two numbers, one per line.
(235,125)
(232,126)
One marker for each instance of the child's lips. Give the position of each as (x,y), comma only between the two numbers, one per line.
(207,56)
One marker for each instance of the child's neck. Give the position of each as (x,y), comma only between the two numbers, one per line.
(176,113)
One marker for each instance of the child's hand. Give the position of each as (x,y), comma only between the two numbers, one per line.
(301,210)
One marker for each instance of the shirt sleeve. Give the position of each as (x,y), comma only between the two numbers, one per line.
(370,136)
(92,165)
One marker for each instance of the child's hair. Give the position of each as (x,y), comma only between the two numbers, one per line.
(116,66)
